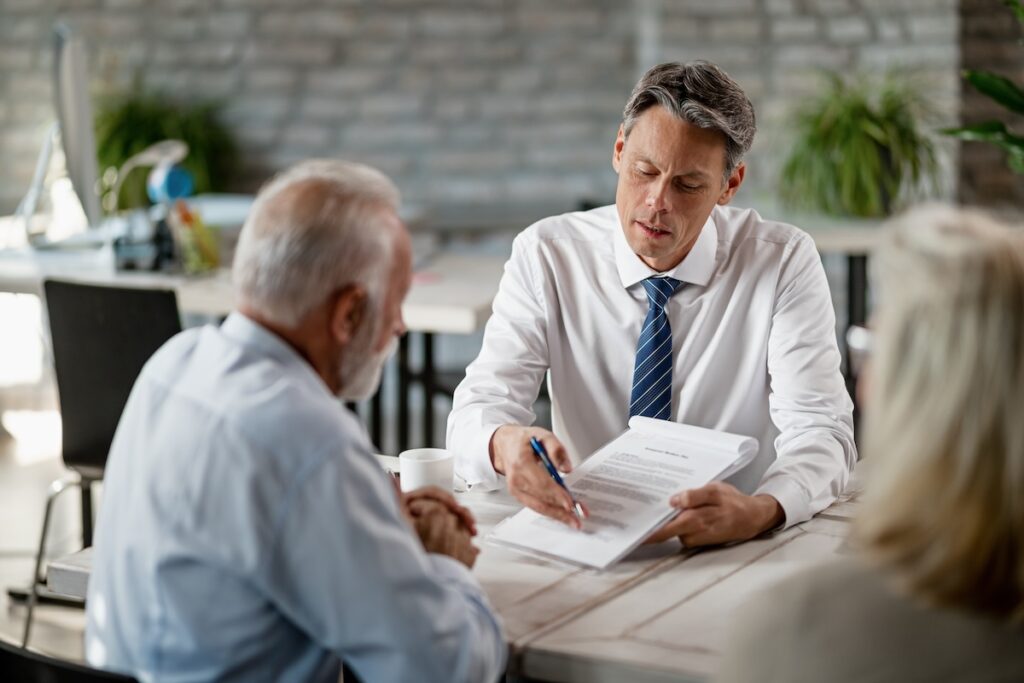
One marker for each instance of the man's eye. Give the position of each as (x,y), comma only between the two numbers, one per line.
(645,172)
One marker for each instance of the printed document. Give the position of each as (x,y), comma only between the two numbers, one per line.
(626,486)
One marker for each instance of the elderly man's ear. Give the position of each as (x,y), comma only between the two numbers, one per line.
(347,313)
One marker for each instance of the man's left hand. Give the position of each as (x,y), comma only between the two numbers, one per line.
(719,513)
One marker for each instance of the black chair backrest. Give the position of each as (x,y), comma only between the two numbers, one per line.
(101,338)
(24,666)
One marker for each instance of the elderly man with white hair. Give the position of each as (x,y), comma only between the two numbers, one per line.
(246,533)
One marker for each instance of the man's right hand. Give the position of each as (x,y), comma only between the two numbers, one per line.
(525,474)
(442,531)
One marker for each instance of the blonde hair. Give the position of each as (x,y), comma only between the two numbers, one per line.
(312,229)
(944,508)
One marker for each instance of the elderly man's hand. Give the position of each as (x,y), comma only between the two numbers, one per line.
(719,513)
(527,478)
(414,500)
(441,530)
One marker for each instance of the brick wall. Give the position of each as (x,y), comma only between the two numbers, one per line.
(484,101)
(990,40)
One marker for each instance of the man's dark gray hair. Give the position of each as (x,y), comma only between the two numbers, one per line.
(701,94)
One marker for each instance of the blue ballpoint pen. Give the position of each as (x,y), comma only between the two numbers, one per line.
(542,453)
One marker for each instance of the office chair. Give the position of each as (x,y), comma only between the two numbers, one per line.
(101,337)
(25,666)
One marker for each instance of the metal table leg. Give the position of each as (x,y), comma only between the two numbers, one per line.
(404,381)
(428,382)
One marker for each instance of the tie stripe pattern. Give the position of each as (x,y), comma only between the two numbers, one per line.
(652,373)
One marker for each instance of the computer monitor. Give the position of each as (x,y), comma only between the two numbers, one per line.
(75,117)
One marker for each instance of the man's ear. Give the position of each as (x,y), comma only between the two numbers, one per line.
(620,142)
(735,180)
(347,312)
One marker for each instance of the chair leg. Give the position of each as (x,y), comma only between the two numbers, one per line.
(87,516)
(56,488)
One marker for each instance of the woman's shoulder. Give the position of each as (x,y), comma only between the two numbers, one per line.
(845,620)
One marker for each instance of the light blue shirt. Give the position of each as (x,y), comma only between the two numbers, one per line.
(246,533)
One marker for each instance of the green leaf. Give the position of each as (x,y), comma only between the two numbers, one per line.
(1017,8)
(1002,90)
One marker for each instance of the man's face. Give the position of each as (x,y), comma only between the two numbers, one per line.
(362,361)
(670,177)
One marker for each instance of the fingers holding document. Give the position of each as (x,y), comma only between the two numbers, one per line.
(719,513)
(525,474)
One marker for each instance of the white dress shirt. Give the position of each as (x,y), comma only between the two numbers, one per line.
(248,534)
(753,343)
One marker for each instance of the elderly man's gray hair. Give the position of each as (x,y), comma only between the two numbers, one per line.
(701,94)
(313,229)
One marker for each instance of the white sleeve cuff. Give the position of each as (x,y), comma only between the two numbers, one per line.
(473,461)
(791,498)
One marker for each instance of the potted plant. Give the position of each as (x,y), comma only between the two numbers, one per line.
(1007,94)
(128,123)
(861,149)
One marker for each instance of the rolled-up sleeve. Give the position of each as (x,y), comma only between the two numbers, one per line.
(808,403)
(502,384)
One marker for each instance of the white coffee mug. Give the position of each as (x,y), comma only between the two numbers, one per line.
(426,467)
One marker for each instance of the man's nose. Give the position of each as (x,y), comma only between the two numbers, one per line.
(657,197)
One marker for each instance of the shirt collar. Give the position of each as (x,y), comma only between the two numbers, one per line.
(697,268)
(254,336)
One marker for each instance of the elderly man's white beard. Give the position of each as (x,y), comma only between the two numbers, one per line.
(359,372)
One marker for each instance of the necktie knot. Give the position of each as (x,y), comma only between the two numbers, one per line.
(660,290)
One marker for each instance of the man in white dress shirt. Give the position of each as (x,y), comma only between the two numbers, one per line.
(669,304)
(247,532)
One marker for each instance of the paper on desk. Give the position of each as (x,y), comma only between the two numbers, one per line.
(626,486)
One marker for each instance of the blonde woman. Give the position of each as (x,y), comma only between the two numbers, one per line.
(935,591)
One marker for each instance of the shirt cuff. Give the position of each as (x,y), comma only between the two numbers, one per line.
(473,461)
(791,498)
(449,569)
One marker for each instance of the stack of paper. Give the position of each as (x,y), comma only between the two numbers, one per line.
(626,486)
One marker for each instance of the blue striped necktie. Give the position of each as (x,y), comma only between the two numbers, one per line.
(652,374)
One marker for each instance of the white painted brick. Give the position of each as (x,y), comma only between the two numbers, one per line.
(552,18)
(472,134)
(227,24)
(345,80)
(368,135)
(288,52)
(715,7)
(477,161)
(304,22)
(848,30)
(385,26)
(813,56)
(256,134)
(390,106)
(373,52)
(933,29)
(217,84)
(459,23)
(16,28)
(272,79)
(781,6)
(795,28)
(15,57)
(453,109)
(740,30)
(887,56)
(256,108)
(337,108)
(310,137)
(840,7)
(519,79)
(890,30)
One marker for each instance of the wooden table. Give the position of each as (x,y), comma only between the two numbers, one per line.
(661,614)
